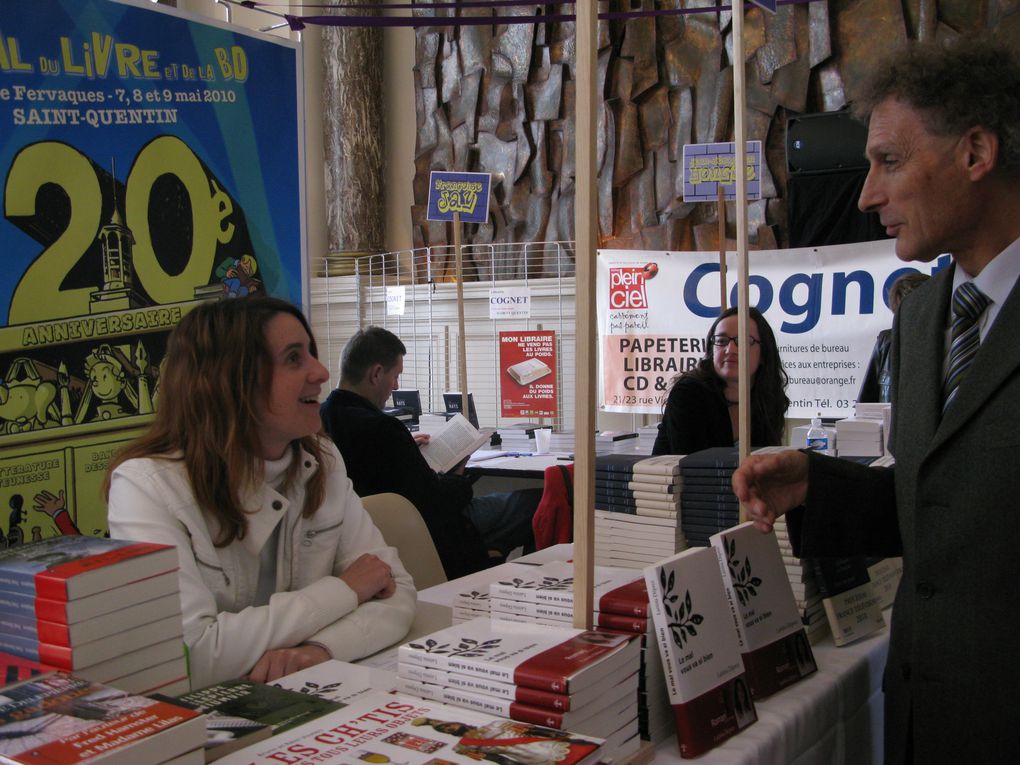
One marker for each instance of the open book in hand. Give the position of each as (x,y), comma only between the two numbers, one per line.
(451,443)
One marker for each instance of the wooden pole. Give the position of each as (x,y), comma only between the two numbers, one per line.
(740,137)
(461,342)
(585,221)
(722,249)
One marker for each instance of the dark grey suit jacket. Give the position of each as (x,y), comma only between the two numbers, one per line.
(951,506)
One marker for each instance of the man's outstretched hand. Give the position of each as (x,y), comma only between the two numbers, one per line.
(771,484)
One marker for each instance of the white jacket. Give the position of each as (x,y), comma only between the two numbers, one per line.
(151,500)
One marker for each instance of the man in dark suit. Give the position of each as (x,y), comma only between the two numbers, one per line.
(381,455)
(944,153)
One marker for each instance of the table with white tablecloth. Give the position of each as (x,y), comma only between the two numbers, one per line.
(833,717)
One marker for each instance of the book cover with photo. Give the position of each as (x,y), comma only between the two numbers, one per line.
(242,712)
(775,648)
(59,718)
(852,602)
(705,678)
(554,659)
(395,729)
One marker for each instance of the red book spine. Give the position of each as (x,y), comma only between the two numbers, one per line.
(52,583)
(633,624)
(53,633)
(558,701)
(56,656)
(552,669)
(629,600)
(536,715)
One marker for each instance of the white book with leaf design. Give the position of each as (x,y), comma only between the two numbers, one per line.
(697,638)
(559,660)
(775,649)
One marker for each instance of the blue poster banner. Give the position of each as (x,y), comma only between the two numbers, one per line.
(464,193)
(151,160)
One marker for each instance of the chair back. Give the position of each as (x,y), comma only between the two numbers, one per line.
(402,527)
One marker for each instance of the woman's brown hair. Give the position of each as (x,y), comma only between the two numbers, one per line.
(216,371)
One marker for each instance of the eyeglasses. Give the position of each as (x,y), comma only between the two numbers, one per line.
(721,341)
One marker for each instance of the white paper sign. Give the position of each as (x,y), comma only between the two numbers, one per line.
(510,303)
(395,300)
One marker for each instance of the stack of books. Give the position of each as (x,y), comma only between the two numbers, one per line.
(561,442)
(876,411)
(708,504)
(546,596)
(646,438)
(635,541)
(57,717)
(860,437)
(637,501)
(801,576)
(582,681)
(773,643)
(803,585)
(107,610)
(471,602)
(697,639)
(615,441)
(518,437)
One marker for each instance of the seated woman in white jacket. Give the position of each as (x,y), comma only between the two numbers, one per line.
(280,565)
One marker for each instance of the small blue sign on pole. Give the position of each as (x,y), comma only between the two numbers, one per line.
(464,193)
(707,167)
(768,5)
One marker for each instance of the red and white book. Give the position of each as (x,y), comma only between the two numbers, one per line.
(67,567)
(97,651)
(557,702)
(606,714)
(549,658)
(108,601)
(88,630)
(134,661)
(697,638)
(775,649)
(59,718)
(615,589)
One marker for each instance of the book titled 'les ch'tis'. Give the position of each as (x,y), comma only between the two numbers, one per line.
(393,728)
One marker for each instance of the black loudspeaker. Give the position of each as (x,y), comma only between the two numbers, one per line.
(825,143)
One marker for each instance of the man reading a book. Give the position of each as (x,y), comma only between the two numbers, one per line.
(944,153)
(383,456)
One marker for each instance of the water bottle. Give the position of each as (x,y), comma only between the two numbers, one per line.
(817,436)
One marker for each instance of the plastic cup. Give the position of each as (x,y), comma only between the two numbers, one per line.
(542,438)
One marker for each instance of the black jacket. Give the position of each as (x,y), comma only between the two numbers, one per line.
(381,456)
(696,417)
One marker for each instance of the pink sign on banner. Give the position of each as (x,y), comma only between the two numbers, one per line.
(527,378)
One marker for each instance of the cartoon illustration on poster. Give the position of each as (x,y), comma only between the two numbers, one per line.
(527,380)
(150,161)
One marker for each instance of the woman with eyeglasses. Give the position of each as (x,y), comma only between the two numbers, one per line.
(702,409)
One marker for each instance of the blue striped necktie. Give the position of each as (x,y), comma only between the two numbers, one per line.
(968,304)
